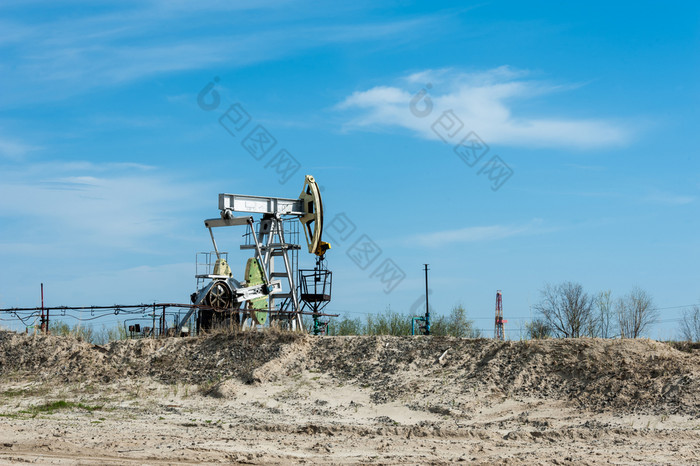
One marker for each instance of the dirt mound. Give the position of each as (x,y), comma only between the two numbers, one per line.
(428,373)
(194,360)
(634,375)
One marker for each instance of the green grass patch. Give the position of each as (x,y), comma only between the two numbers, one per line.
(17,392)
(52,407)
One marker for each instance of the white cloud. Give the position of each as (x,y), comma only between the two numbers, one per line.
(661,197)
(75,53)
(83,205)
(144,283)
(650,196)
(99,233)
(105,285)
(484,103)
(474,234)
(15,150)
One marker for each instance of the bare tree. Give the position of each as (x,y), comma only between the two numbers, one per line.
(605,318)
(690,325)
(567,309)
(635,313)
(457,324)
(538,329)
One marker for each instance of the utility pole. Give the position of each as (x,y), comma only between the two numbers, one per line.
(47,310)
(44,327)
(427,305)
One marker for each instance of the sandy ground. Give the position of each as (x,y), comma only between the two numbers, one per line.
(281,399)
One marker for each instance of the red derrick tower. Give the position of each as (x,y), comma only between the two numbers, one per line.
(498,332)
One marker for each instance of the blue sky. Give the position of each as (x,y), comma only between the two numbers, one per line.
(108,164)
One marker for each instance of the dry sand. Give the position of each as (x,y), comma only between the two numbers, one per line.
(282,398)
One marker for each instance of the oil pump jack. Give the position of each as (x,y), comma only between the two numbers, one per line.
(265,293)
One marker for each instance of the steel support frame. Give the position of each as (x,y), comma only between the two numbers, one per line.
(271,236)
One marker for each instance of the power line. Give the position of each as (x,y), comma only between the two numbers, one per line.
(146,310)
(346,311)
